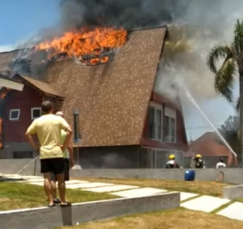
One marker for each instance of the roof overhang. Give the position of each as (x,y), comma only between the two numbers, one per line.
(11,84)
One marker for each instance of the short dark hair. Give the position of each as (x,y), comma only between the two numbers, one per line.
(46,106)
(221,159)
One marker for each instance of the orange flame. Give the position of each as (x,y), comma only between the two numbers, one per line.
(85,42)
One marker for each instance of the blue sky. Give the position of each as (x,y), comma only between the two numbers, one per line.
(21,18)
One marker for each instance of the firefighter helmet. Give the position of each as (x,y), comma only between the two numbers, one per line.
(172,157)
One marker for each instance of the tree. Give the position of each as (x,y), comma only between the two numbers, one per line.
(230,130)
(232,56)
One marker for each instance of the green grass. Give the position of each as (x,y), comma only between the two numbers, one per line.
(17,195)
(171,219)
(199,187)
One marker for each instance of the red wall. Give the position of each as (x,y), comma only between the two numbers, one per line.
(181,143)
(14,130)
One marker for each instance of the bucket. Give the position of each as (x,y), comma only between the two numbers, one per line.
(189,175)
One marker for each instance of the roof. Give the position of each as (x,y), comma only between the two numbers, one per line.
(112,98)
(10,83)
(6,58)
(41,86)
(208,144)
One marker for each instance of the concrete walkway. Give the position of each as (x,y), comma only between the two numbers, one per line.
(190,201)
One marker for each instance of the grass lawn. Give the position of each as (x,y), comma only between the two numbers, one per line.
(16,195)
(172,219)
(200,187)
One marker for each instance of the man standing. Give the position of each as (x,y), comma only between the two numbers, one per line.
(172,164)
(48,130)
(198,161)
(68,161)
(221,164)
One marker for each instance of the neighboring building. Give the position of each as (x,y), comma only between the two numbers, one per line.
(211,148)
(123,122)
(19,110)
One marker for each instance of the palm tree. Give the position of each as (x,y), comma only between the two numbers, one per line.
(232,56)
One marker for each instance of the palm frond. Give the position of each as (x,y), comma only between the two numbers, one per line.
(238,38)
(216,53)
(224,79)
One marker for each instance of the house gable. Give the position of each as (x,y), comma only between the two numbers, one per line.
(14,130)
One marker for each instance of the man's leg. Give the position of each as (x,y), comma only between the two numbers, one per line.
(58,169)
(61,187)
(48,187)
(53,184)
(45,169)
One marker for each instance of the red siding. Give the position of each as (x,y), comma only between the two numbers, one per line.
(14,130)
(181,143)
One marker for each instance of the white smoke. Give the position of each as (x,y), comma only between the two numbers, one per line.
(206,24)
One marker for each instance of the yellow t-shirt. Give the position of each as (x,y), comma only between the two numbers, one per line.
(48,129)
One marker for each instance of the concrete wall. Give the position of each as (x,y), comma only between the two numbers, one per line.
(12,166)
(44,217)
(19,149)
(231,176)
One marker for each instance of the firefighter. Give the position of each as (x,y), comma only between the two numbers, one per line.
(172,164)
(198,162)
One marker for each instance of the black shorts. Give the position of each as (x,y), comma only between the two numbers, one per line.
(66,171)
(52,165)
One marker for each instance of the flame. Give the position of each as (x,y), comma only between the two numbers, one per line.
(2,96)
(84,42)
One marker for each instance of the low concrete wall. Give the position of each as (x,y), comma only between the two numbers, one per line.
(40,218)
(12,166)
(231,176)
(233,192)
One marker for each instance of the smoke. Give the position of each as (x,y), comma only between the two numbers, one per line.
(203,25)
(200,24)
(109,160)
(128,14)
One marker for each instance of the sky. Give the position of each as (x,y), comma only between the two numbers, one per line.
(21,19)
(216,109)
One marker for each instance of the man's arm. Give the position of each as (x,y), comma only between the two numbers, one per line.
(29,135)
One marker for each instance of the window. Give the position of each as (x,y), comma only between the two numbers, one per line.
(22,154)
(169,129)
(14,114)
(35,112)
(155,123)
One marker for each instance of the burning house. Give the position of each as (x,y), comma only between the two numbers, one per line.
(109,76)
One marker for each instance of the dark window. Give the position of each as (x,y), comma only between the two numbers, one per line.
(35,113)
(169,129)
(14,114)
(22,154)
(155,116)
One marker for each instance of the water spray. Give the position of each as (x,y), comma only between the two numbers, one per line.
(193,101)
(27,165)
(185,90)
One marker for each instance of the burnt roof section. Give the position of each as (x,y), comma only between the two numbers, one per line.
(6,58)
(112,98)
